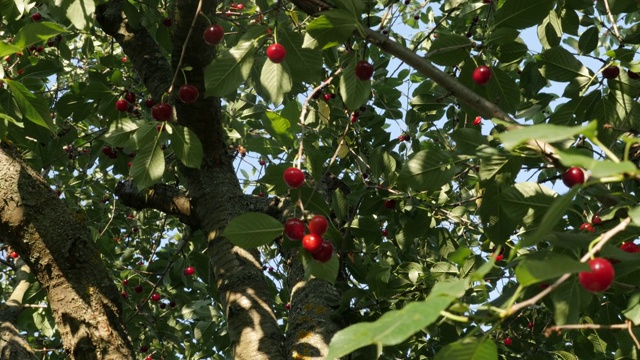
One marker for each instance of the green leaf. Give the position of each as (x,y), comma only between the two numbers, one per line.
(148,166)
(308,62)
(568,300)
(279,127)
(559,64)
(588,40)
(396,326)
(634,214)
(504,91)
(428,170)
(537,268)
(330,29)
(276,81)
(520,14)
(632,312)
(449,50)
(468,140)
(542,132)
(469,349)
(33,107)
(120,133)
(226,73)
(550,219)
(251,230)
(35,32)
(8,49)
(186,146)
(527,202)
(326,271)
(354,7)
(354,92)
(79,12)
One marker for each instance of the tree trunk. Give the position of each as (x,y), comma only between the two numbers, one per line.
(58,249)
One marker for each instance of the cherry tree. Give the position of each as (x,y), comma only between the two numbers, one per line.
(319,179)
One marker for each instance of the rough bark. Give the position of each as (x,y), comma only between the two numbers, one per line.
(311,320)
(218,198)
(146,56)
(12,345)
(58,249)
(168,199)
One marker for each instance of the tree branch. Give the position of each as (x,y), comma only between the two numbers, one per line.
(12,345)
(162,197)
(59,250)
(146,56)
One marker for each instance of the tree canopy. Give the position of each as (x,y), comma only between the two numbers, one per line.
(312,179)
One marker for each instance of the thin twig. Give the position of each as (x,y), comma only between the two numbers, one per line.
(305,108)
(613,22)
(184,46)
(113,212)
(603,240)
(555,328)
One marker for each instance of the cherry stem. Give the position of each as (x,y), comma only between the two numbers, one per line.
(184,46)
(592,250)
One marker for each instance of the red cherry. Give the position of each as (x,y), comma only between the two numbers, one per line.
(481,75)
(124,59)
(327,97)
(130,97)
(36,17)
(508,342)
(188,94)
(611,72)
(138,289)
(125,295)
(324,253)
(573,176)
(294,229)
(633,75)
(363,70)
(144,349)
(599,278)
(595,220)
(125,282)
(162,111)
(172,304)
(261,162)
(294,177)
(155,297)
(276,53)
(390,204)
(477,121)
(189,270)
(109,152)
(122,105)
(312,242)
(587,227)
(213,34)
(288,306)
(318,225)
(530,325)
(149,102)
(14,255)
(385,232)
(629,247)
(163,306)
(167,22)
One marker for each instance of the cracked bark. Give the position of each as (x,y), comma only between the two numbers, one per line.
(58,249)
(12,345)
(312,317)
(216,196)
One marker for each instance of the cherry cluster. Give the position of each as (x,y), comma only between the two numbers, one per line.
(319,248)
